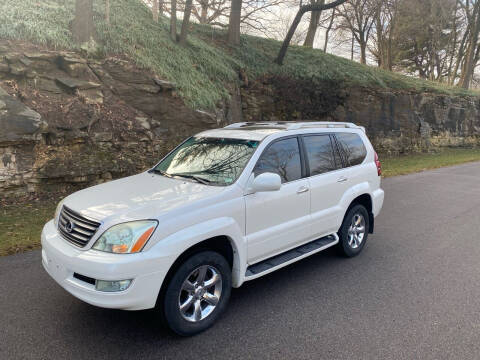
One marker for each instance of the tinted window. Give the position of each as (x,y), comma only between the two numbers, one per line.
(352,147)
(320,154)
(282,158)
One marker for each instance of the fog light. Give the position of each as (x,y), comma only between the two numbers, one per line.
(112,286)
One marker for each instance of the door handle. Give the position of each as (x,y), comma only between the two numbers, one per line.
(342,179)
(302,189)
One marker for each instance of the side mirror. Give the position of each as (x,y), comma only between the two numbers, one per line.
(266,182)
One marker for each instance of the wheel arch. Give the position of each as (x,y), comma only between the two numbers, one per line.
(366,201)
(222,244)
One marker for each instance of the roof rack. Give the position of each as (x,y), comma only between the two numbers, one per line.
(293,125)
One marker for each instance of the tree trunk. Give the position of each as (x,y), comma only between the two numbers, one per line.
(82,26)
(173,20)
(351,48)
(155,10)
(234,22)
(288,38)
(469,65)
(291,31)
(107,12)
(363,52)
(459,58)
(389,56)
(327,32)
(203,11)
(185,22)
(312,29)
(160,7)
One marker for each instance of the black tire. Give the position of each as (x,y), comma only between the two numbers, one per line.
(174,318)
(344,246)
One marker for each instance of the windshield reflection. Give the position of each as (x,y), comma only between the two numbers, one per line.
(216,161)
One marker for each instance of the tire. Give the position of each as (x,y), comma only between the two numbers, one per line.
(185,289)
(353,238)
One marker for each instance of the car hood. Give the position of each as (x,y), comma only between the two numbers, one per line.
(144,196)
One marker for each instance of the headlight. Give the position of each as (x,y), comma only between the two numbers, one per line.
(126,238)
(57,212)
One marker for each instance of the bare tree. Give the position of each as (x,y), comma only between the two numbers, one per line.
(301,11)
(385,13)
(82,27)
(282,25)
(472,52)
(358,17)
(234,22)
(328,29)
(186,22)
(155,10)
(313,24)
(107,12)
(173,20)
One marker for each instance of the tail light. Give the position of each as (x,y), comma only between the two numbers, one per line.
(379,166)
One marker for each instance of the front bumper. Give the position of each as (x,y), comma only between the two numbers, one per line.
(146,269)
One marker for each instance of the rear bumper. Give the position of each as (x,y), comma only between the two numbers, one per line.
(61,260)
(377,201)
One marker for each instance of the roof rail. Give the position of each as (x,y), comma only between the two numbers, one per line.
(262,123)
(327,124)
(292,125)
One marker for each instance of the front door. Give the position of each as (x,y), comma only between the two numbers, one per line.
(278,220)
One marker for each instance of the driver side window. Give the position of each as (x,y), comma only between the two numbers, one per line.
(282,158)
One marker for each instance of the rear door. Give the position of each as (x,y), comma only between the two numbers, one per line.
(328,182)
(278,220)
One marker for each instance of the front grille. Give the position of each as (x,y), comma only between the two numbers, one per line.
(76,228)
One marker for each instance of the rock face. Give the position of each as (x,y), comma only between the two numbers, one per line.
(69,122)
(396,122)
(18,122)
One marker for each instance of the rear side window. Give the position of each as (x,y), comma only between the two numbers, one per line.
(352,147)
(320,154)
(282,158)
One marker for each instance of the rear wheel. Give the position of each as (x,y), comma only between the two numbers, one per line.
(197,293)
(354,231)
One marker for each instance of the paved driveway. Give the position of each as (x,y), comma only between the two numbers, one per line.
(414,293)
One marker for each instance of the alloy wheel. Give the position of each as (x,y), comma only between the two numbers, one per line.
(356,231)
(200,293)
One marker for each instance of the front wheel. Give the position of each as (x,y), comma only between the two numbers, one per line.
(354,231)
(197,293)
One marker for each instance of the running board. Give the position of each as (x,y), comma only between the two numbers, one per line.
(276,262)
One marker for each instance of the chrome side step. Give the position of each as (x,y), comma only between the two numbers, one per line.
(276,262)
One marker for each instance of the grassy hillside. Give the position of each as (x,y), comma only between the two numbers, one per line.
(202,68)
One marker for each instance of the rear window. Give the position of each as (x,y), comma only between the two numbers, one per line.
(352,147)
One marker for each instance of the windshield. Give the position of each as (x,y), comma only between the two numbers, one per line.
(216,161)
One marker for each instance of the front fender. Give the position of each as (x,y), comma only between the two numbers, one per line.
(177,243)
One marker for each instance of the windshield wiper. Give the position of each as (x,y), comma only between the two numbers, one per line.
(193,177)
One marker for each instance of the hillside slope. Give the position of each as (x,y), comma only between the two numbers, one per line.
(69,119)
(203,69)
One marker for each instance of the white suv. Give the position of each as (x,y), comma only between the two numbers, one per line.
(226,206)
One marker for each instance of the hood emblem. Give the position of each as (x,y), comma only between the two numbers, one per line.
(69,226)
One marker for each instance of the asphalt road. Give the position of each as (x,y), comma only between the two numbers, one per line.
(414,293)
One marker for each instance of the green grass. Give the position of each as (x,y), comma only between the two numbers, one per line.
(405,164)
(203,68)
(21,224)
